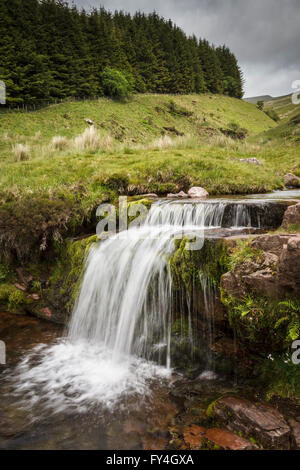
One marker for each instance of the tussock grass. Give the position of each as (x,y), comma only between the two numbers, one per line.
(91,140)
(220,140)
(37,136)
(59,142)
(21,152)
(162,143)
(168,142)
(141,120)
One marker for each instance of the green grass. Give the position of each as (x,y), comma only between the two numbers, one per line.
(140,120)
(288,129)
(52,192)
(217,169)
(203,154)
(283,105)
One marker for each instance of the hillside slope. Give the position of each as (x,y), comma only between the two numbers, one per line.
(256,99)
(288,129)
(50,189)
(142,119)
(283,105)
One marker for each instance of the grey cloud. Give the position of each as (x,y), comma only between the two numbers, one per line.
(264,34)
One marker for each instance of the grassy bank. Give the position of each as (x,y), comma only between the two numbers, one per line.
(55,169)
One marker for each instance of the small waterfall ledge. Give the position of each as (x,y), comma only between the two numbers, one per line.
(129,302)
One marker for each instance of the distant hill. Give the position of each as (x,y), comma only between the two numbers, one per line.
(256,99)
(283,106)
(289,113)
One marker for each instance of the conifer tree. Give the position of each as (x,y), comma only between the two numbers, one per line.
(49,50)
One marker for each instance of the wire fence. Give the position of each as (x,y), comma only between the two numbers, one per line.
(41,104)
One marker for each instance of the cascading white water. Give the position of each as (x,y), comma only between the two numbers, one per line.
(125,299)
(123,316)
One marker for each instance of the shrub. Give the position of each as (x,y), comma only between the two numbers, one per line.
(32,223)
(280,376)
(272,114)
(176,110)
(234,131)
(260,105)
(262,323)
(115,83)
(21,152)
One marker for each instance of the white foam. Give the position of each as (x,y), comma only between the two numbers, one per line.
(77,375)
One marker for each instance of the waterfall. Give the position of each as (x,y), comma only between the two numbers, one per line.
(125,301)
(120,332)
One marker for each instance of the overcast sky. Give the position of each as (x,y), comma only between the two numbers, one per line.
(264,34)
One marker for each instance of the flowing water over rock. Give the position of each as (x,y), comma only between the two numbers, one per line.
(119,340)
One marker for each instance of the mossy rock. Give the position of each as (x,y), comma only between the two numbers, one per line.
(66,277)
(13,299)
(188,265)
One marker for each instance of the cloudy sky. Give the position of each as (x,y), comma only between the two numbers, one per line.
(264,34)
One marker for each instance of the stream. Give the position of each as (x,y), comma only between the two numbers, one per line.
(107,380)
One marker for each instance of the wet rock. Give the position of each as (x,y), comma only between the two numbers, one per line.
(151,195)
(34,296)
(208,375)
(21,287)
(134,426)
(262,281)
(270,260)
(252,161)
(197,193)
(260,421)
(233,285)
(292,181)
(224,346)
(270,243)
(181,194)
(291,216)
(45,312)
(289,266)
(277,275)
(227,440)
(154,443)
(194,436)
(217,312)
(295,431)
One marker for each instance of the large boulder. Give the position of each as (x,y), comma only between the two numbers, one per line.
(292,181)
(276,275)
(291,216)
(257,420)
(197,437)
(197,193)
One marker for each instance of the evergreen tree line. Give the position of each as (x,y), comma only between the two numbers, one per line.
(50,50)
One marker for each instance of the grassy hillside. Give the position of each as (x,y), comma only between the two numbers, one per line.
(282,105)
(256,99)
(140,120)
(55,169)
(288,129)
